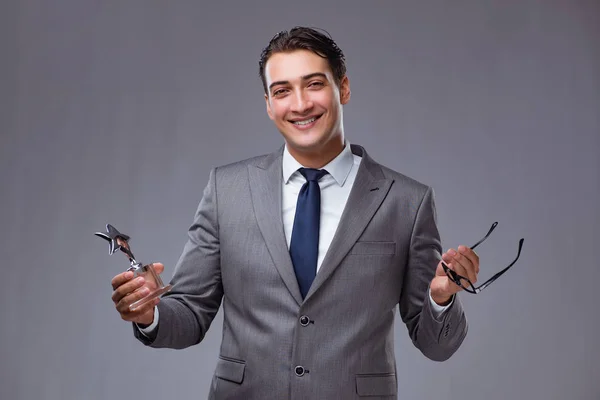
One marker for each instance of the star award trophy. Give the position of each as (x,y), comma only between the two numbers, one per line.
(118,241)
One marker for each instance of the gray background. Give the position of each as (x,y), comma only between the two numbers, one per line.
(115,111)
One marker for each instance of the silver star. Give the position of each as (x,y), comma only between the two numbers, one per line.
(112,235)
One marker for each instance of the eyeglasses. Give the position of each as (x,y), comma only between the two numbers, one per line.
(465,283)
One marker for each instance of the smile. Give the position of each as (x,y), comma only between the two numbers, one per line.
(306,123)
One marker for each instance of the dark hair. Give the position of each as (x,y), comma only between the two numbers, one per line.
(303,38)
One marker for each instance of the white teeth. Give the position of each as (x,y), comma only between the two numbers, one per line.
(305,122)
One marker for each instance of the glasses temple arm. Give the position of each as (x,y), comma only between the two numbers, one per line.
(496,275)
(486,236)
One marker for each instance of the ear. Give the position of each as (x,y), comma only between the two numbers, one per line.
(269,111)
(345,90)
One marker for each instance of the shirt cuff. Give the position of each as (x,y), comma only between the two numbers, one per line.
(435,307)
(149,331)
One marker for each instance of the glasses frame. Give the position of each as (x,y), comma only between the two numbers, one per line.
(456,278)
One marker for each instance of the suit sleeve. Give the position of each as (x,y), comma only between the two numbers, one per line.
(188,310)
(437,339)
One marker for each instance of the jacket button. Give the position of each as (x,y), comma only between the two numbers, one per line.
(304,320)
(299,370)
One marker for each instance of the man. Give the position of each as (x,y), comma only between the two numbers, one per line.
(310,249)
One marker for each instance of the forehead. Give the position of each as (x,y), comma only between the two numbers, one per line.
(290,66)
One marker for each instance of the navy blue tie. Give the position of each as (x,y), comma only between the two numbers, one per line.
(304,246)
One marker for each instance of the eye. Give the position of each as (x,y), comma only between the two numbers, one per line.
(316,84)
(279,92)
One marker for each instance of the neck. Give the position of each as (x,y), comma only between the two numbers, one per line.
(319,158)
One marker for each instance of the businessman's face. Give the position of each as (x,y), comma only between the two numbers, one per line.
(304,102)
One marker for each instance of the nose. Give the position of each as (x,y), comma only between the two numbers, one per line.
(301,103)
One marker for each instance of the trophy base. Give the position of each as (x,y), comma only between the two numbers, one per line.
(153,295)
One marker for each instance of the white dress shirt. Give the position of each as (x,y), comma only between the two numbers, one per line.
(335,189)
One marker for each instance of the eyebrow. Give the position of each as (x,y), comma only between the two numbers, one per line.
(304,78)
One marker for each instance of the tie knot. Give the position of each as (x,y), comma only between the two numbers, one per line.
(312,174)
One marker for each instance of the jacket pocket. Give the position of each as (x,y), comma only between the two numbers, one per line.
(374,248)
(376,384)
(230,369)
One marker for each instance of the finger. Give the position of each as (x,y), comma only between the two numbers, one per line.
(127,288)
(449,284)
(148,307)
(448,259)
(121,279)
(452,263)
(463,263)
(140,315)
(471,255)
(123,304)
(439,270)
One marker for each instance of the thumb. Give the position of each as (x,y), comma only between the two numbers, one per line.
(439,271)
(158,267)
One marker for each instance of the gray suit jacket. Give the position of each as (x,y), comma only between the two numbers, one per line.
(337,343)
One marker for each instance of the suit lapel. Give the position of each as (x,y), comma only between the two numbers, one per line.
(266,180)
(368,192)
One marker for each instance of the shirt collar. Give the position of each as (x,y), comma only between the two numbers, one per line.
(339,168)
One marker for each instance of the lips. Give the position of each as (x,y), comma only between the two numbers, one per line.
(305,123)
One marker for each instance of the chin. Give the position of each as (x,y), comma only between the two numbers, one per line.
(306,143)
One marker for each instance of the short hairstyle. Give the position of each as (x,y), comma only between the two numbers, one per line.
(303,38)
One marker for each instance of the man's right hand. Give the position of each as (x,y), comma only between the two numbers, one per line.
(128,290)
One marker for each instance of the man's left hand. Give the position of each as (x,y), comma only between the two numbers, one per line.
(464,262)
